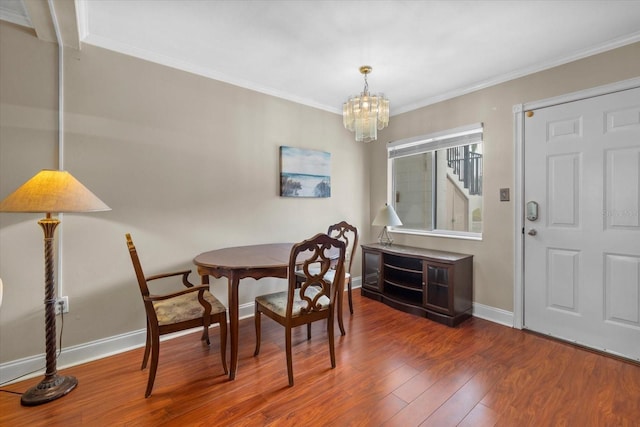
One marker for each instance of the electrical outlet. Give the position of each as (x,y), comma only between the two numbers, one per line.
(65,305)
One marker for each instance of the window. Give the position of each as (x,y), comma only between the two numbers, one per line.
(436,182)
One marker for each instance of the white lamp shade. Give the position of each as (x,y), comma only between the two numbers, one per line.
(387,217)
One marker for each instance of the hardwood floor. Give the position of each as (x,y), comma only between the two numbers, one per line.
(393,369)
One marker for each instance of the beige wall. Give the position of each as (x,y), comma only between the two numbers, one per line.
(187,164)
(493,256)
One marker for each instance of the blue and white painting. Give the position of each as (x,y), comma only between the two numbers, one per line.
(304,173)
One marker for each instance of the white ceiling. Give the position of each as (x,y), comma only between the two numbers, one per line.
(310,51)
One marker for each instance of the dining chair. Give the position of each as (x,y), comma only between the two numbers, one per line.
(349,235)
(312,299)
(184,309)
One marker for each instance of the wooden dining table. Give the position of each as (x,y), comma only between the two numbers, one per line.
(240,262)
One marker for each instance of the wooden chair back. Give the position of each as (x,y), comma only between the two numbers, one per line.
(313,258)
(349,235)
(140,277)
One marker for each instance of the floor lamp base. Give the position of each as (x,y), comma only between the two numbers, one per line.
(48,389)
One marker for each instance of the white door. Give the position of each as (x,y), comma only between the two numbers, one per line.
(582,254)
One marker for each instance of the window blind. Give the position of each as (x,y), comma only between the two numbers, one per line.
(464,135)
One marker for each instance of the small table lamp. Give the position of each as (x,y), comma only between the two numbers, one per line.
(386,217)
(51,191)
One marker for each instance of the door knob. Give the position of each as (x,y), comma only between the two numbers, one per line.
(532,232)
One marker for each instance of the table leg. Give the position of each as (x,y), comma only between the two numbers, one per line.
(234,283)
(204,279)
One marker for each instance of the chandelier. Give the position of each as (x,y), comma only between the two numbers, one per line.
(366,113)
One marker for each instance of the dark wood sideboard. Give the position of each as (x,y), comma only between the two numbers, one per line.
(429,283)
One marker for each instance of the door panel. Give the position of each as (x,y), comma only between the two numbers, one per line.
(622,190)
(563,279)
(564,187)
(582,261)
(622,289)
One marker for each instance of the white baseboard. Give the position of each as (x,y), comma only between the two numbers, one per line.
(496,315)
(33,366)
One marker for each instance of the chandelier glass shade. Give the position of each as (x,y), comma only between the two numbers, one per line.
(365,113)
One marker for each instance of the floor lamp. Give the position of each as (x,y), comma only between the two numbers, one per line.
(51,191)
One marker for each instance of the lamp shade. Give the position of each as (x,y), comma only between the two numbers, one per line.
(387,217)
(52,191)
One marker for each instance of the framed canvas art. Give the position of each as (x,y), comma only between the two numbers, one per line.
(304,173)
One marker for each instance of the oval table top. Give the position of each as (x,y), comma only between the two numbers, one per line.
(253,256)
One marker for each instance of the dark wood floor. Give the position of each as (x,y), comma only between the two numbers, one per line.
(393,369)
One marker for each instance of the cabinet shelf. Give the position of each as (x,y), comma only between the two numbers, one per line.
(407,270)
(407,286)
(401,299)
(430,283)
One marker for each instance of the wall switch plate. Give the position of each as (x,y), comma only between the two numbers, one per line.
(504,194)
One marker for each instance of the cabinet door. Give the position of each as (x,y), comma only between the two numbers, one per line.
(438,293)
(371,262)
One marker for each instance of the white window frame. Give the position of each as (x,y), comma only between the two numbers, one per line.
(463,135)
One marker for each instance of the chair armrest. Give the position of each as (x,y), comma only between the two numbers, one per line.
(184,273)
(177,294)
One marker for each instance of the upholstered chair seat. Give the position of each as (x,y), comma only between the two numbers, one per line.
(278,302)
(184,307)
